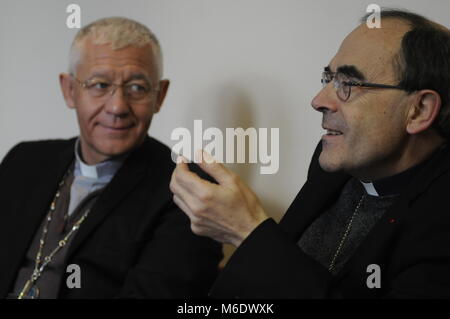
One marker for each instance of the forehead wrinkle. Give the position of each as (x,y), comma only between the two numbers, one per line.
(112,59)
(133,70)
(373,54)
(99,74)
(107,75)
(106,62)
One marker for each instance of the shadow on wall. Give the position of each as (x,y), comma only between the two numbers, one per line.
(234,107)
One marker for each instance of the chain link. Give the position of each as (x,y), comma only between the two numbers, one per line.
(344,237)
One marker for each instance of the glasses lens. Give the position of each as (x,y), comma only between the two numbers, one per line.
(326,78)
(137,92)
(346,90)
(98,88)
(342,89)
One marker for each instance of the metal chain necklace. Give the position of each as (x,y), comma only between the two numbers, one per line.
(30,291)
(344,237)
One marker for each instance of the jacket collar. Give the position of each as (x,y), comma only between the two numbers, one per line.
(23,227)
(133,170)
(322,189)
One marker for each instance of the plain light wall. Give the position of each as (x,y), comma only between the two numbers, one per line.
(247,63)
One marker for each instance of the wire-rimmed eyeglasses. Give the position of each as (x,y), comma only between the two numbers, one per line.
(136,91)
(343,85)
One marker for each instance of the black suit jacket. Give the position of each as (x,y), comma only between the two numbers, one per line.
(410,243)
(135,242)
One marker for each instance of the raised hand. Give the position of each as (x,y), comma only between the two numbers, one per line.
(226,212)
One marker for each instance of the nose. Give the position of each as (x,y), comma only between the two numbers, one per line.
(117,103)
(326,100)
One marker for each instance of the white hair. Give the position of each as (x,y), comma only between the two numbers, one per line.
(120,33)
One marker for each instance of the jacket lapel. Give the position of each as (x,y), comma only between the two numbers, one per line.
(129,175)
(320,190)
(21,233)
(316,195)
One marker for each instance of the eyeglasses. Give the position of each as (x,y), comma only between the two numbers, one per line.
(135,91)
(343,85)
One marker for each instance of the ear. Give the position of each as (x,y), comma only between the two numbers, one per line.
(424,111)
(67,88)
(163,87)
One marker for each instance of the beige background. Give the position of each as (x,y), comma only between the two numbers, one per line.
(248,63)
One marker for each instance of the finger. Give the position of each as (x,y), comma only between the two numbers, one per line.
(190,188)
(183,178)
(182,205)
(181,159)
(212,167)
(177,184)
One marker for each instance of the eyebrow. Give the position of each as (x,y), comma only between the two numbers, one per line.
(349,70)
(98,75)
(134,76)
(138,76)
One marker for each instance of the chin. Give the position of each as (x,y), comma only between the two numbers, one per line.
(330,168)
(328,164)
(116,149)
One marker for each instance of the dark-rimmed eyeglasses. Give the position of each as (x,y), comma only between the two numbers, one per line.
(134,91)
(343,85)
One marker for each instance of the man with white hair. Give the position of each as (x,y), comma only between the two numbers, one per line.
(93,217)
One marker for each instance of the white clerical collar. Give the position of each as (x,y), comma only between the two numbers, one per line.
(370,189)
(88,170)
(106,169)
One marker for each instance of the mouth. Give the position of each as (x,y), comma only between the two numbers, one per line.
(333,133)
(120,128)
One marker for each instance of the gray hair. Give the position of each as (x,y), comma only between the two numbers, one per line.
(120,33)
